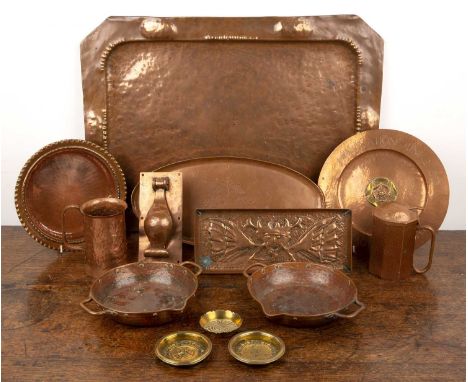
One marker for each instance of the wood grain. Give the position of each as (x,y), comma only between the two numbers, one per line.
(411,330)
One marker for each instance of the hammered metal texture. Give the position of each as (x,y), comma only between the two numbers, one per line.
(392,244)
(104,238)
(144,293)
(238,183)
(285,90)
(302,294)
(417,179)
(63,173)
(227,241)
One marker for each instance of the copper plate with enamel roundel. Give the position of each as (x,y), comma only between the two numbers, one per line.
(379,166)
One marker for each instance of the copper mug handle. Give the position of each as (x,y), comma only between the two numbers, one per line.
(431,251)
(66,243)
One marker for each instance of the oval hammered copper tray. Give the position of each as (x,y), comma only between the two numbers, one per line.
(228,183)
(374,167)
(63,173)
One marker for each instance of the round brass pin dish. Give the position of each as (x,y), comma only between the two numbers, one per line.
(220,321)
(183,348)
(256,347)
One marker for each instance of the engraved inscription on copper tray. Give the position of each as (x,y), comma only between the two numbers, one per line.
(284,90)
(227,241)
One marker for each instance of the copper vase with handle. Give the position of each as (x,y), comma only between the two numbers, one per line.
(104,242)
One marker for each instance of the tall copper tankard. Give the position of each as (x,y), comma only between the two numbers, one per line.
(394,233)
(104,241)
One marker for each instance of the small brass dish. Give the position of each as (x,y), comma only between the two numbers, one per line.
(256,347)
(220,321)
(183,348)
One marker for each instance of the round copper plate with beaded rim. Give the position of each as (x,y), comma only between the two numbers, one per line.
(379,166)
(62,173)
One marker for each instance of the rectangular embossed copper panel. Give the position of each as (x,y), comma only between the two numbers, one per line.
(284,90)
(173,201)
(227,241)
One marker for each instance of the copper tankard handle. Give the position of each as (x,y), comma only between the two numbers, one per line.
(66,243)
(431,251)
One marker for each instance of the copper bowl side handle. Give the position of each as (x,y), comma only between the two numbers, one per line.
(199,268)
(66,244)
(249,267)
(353,314)
(94,313)
(431,251)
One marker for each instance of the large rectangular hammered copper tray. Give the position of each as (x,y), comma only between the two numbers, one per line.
(228,241)
(286,90)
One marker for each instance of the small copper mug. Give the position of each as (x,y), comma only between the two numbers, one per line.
(104,240)
(392,245)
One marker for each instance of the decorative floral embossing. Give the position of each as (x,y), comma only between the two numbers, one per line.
(232,242)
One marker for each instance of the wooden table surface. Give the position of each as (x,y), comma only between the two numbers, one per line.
(411,330)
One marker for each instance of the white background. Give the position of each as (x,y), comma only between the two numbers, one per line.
(424,89)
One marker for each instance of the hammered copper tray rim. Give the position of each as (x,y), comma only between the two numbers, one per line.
(284,169)
(99,152)
(192,333)
(426,160)
(116,270)
(301,315)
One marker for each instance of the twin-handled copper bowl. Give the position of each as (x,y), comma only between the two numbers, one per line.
(144,293)
(301,293)
(293,293)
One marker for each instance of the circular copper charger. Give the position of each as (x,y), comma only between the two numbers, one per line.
(379,166)
(67,172)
